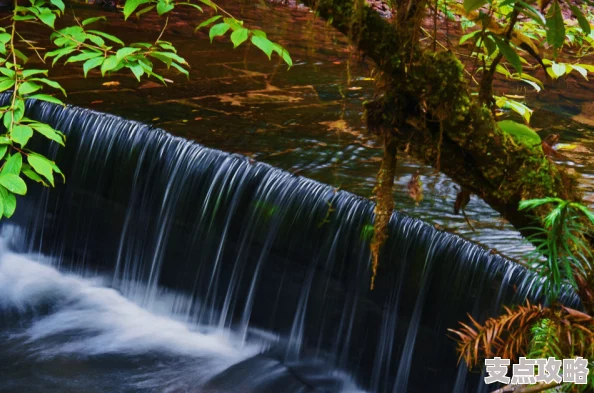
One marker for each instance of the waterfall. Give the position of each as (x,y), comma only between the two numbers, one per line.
(245,250)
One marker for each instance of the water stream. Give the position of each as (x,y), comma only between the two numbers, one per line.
(162,265)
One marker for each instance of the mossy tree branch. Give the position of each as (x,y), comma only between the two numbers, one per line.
(426,91)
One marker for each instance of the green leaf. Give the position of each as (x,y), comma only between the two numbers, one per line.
(27,171)
(2,205)
(163,7)
(21,55)
(588,67)
(9,202)
(107,36)
(95,39)
(556,70)
(264,44)
(239,36)
(209,3)
(13,164)
(509,53)
(58,53)
(192,5)
(520,109)
(555,26)
(536,86)
(520,132)
(169,55)
(6,84)
(3,149)
(131,6)
(48,18)
(471,5)
(48,98)
(59,4)
(181,69)
(50,83)
(109,64)
(218,30)
(5,71)
(85,55)
(259,33)
(5,141)
(234,23)
(13,183)
(19,109)
(57,170)
(127,51)
(167,46)
(42,165)
(144,10)
(532,13)
(468,36)
(137,70)
(30,73)
(205,23)
(490,44)
(526,77)
(21,134)
(92,63)
(28,87)
(283,53)
(88,21)
(47,131)
(581,70)
(583,22)
(23,17)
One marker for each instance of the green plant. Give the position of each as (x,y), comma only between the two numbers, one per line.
(523,33)
(562,259)
(91,48)
(562,250)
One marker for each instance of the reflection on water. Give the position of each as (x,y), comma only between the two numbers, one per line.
(306,120)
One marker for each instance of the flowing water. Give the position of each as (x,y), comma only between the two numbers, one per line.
(165,266)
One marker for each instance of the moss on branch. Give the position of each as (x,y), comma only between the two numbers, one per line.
(427,100)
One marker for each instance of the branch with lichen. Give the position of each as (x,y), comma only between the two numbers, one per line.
(427,91)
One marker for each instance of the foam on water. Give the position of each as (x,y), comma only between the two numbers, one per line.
(104,320)
(110,342)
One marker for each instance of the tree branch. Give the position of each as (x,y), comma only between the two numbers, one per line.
(426,91)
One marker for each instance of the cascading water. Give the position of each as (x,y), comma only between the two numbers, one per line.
(165,266)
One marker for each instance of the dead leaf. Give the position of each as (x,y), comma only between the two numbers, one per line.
(97,102)
(112,83)
(149,85)
(415,188)
(462,200)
